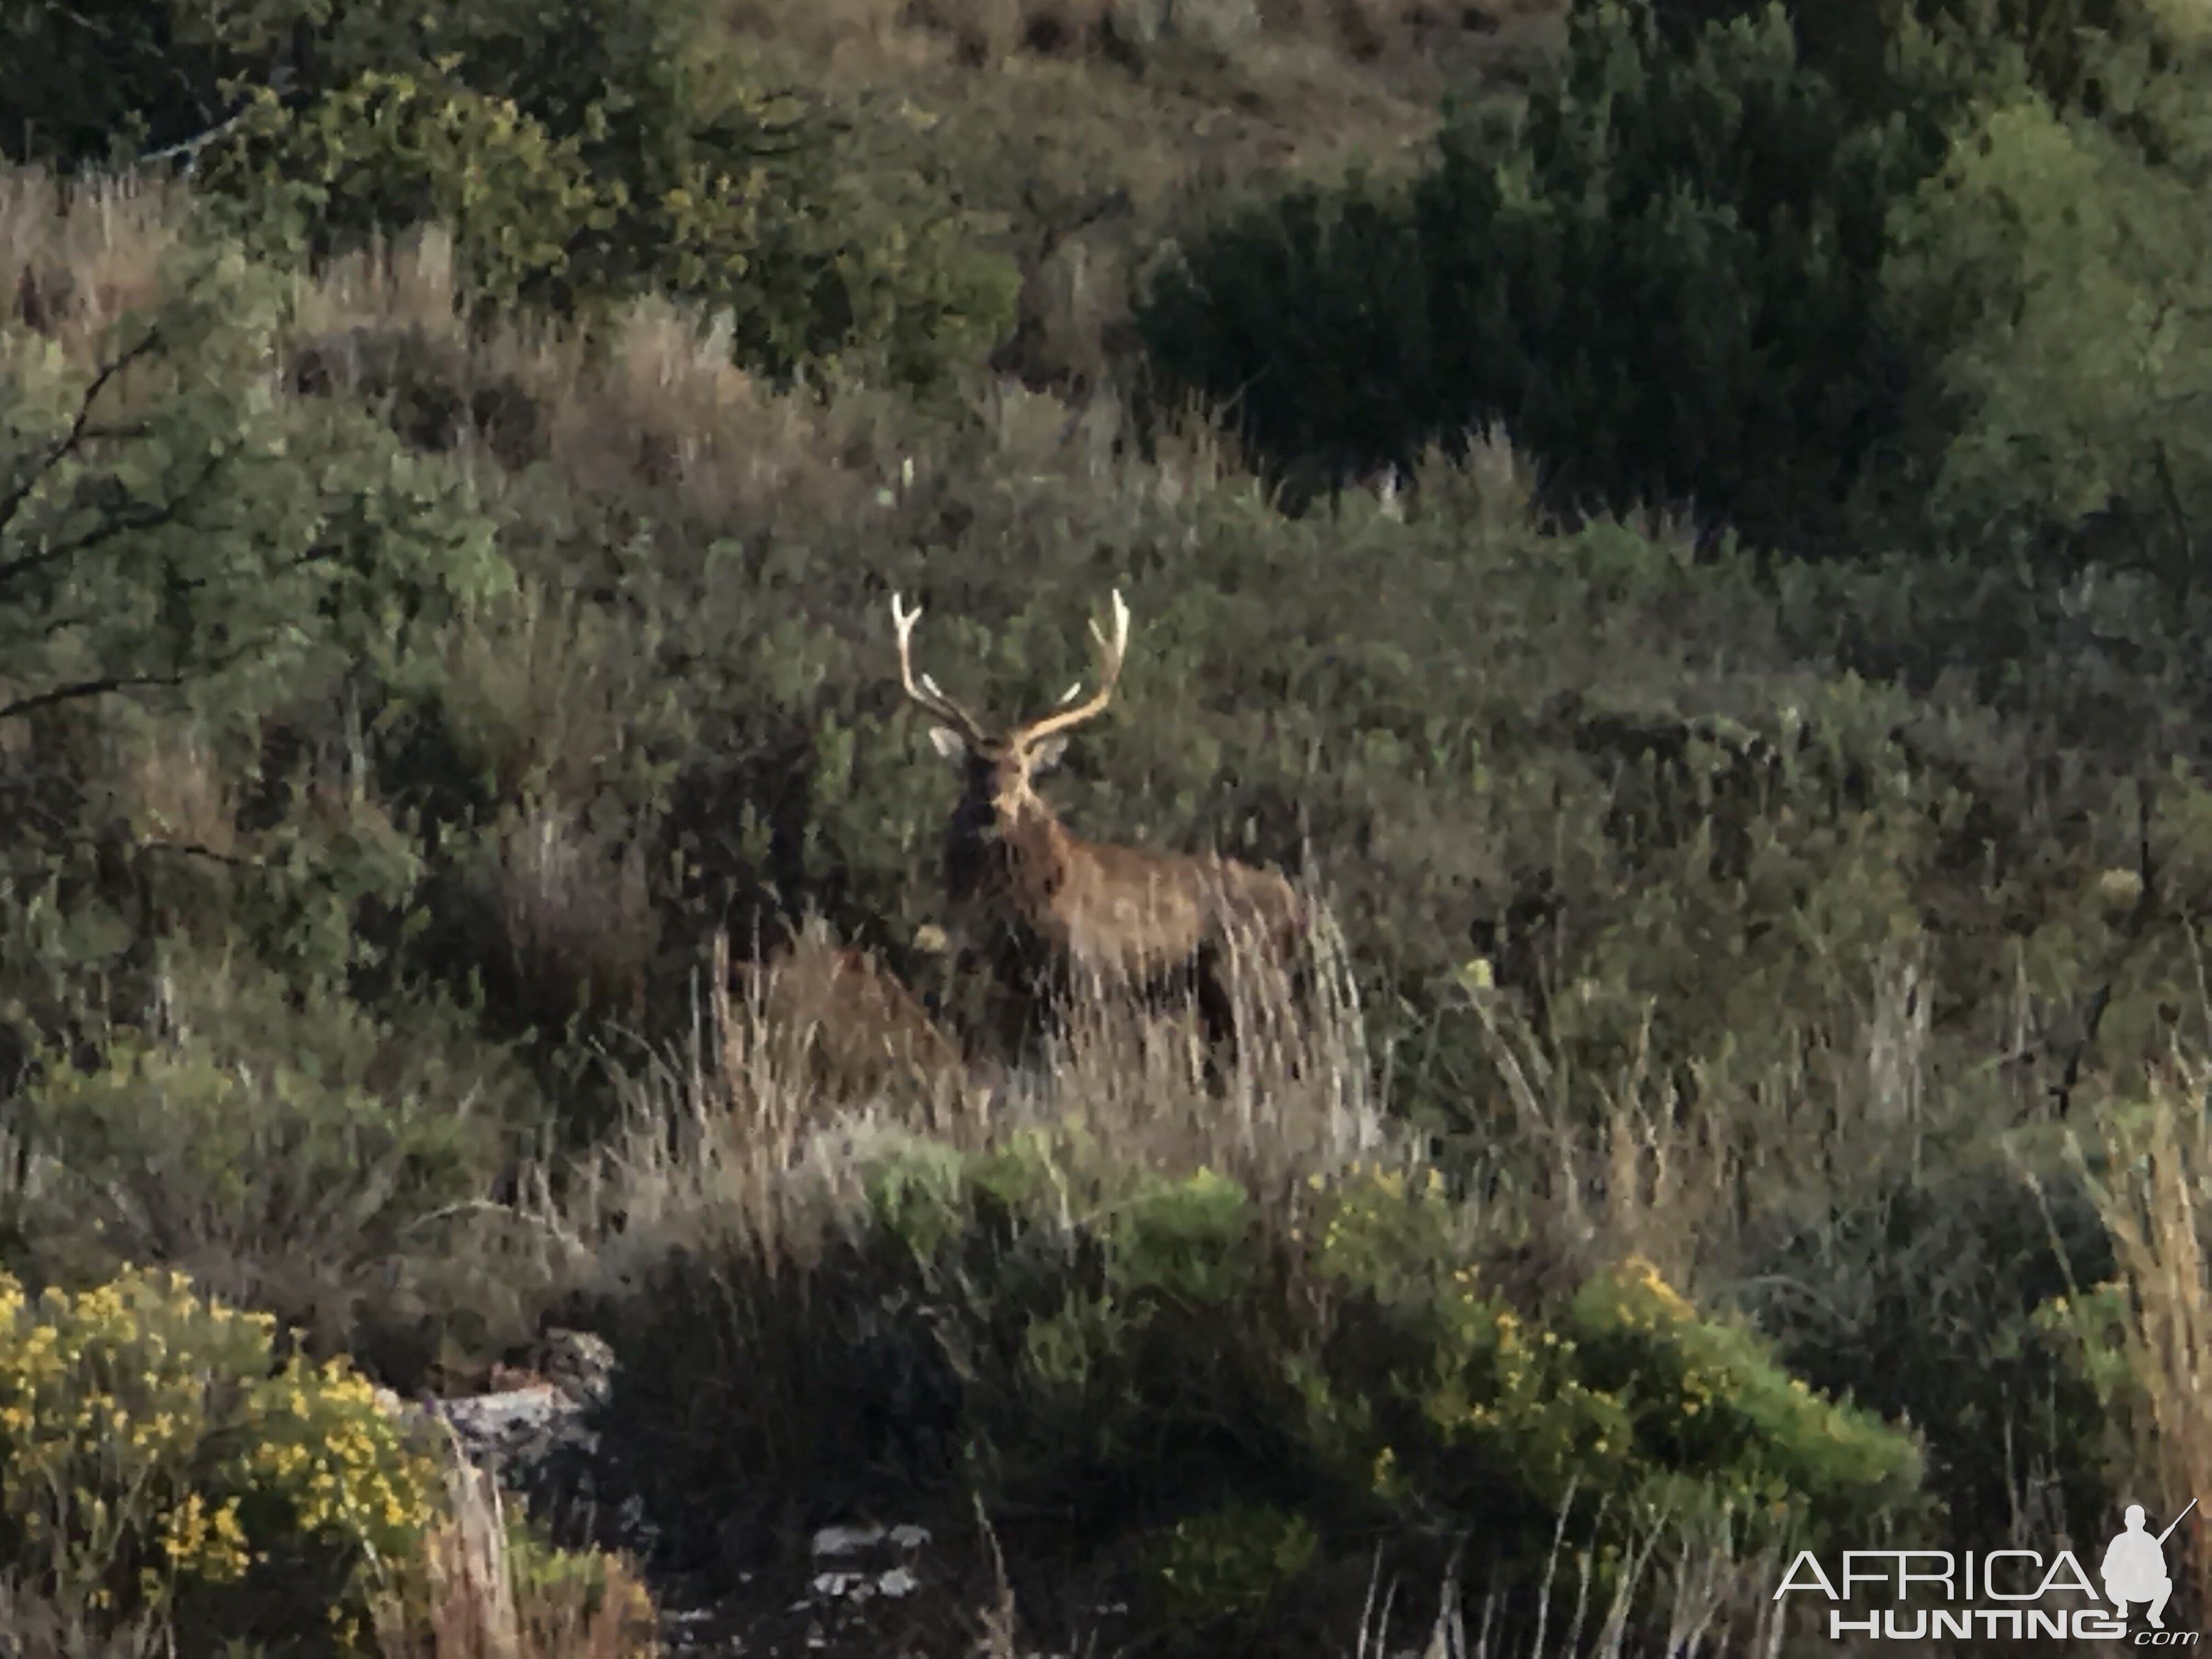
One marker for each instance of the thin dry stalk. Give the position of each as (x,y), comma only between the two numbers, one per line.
(2155,1198)
(467,1601)
(75,257)
(1300,1095)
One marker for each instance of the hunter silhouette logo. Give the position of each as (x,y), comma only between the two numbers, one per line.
(1983,1595)
(2135,1566)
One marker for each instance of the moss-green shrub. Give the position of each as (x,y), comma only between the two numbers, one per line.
(1443,1394)
(1227,1565)
(757,212)
(389,151)
(155,1455)
(204,1156)
(581,156)
(1181,1354)
(2081,233)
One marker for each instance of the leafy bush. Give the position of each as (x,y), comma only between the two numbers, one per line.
(1227,1564)
(1662,277)
(236,1167)
(1311,315)
(167,526)
(1446,1396)
(1171,1349)
(173,540)
(582,156)
(387,151)
(1915,278)
(1665,276)
(756,211)
(2046,265)
(155,1455)
(1934,1289)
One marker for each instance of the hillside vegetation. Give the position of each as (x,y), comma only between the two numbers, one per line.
(1676,522)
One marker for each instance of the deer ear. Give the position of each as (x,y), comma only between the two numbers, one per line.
(1046,756)
(948,743)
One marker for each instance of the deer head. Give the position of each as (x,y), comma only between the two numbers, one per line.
(1124,913)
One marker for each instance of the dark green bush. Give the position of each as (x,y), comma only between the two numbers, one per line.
(387,152)
(1663,276)
(1917,279)
(1308,317)
(751,203)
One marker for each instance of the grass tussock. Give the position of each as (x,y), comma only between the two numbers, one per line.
(2151,1188)
(487,1589)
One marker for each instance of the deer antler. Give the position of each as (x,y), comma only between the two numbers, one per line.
(925,693)
(1111,653)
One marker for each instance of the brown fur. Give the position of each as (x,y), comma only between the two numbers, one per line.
(1128,916)
(857,1027)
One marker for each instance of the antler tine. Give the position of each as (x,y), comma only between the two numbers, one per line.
(925,692)
(1110,653)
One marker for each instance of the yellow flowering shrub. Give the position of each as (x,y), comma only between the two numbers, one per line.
(156,1457)
(1431,1390)
(1250,1388)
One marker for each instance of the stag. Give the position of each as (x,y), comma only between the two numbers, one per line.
(1128,918)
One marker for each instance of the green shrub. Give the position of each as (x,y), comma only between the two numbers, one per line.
(263,1169)
(1228,1563)
(389,151)
(155,1454)
(1243,1390)
(2045,264)
(1309,316)
(1934,1286)
(1441,1395)
(582,156)
(1915,276)
(177,529)
(183,545)
(748,206)
(1662,277)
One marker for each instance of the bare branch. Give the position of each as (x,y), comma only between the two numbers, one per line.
(74,691)
(12,502)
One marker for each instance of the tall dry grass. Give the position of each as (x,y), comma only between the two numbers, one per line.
(733,1139)
(2154,1194)
(76,256)
(470,1597)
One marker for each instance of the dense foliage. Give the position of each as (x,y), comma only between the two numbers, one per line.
(1812,286)
(1755,767)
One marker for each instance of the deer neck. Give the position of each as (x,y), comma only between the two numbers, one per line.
(1039,859)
